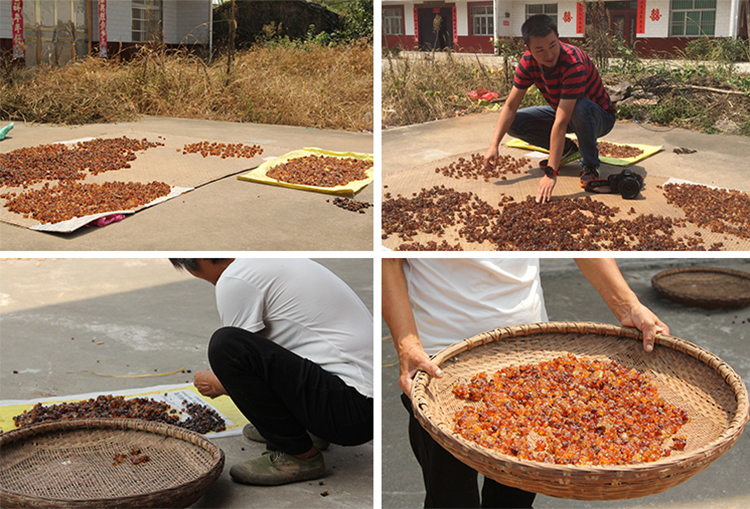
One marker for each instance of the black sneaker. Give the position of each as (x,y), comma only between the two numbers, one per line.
(589,174)
(570,153)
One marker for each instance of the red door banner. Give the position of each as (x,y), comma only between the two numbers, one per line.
(580,17)
(640,24)
(103,28)
(16,12)
(455,25)
(416,27)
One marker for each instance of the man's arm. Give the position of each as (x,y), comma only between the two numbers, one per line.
(400,319)
(507,115)
(556,146)
(606,278)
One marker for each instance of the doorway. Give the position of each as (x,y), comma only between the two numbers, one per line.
(435,28)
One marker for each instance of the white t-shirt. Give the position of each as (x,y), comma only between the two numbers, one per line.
(302,306)
(454,299)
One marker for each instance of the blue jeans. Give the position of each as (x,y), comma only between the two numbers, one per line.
(589,122)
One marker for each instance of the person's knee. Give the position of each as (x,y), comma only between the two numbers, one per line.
(223,344)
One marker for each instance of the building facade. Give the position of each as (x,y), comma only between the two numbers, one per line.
(649,26)
(57,31)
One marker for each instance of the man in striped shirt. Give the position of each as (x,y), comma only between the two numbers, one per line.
(578,103)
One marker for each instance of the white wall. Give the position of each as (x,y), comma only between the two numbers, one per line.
(723,18)
(119,21)
(462,18)
(408,18)
(517,10)
(658,28)
(6,24)
(186,21)
(182,21)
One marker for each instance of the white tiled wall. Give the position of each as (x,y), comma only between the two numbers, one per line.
(6,27)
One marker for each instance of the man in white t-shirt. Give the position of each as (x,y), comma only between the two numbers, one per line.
(431,303)
(294,354)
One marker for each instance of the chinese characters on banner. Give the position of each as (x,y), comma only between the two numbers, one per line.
(455,25)
(640,23)
(16,12)
(567,17)
(103,28)
(580,17)
(416,27)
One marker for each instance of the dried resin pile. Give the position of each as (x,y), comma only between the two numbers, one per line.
(720,210)
(201,418)
(223,150)
(26,166)
(321,171)
(72,199)
(474,168)
(607,149)
(351,205)
(570,411)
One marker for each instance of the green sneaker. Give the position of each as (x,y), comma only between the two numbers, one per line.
(251,433)
(276,467)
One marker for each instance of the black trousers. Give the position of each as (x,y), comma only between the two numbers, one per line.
(284,395)
(450,482)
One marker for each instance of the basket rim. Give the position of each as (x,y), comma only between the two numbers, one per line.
(159,428)
(720,444)
(695,299)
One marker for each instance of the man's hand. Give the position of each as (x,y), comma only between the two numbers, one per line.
(544,192)
(635,314)
(606,278)
(490,158)
(207,384)
(413,358)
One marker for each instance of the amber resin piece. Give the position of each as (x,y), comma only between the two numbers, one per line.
(570,411)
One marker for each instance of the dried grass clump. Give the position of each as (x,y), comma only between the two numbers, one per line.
(419,88)
(327,87)
(88,91)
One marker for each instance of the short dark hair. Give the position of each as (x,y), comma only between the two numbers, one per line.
(538,25)
(191,263)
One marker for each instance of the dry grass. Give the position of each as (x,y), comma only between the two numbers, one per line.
(423,87)
(301,85)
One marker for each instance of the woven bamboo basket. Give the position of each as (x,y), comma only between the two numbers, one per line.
(705,287)
(70,464)
(687,376)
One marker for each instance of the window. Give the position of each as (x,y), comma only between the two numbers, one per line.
(548,9)
(393,20)
(147,20)
(482,20)
(692,18)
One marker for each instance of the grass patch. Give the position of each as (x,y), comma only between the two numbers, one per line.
(423,87)
(310,85)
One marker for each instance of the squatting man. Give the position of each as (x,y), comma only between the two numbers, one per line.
(578,103)
(295,354)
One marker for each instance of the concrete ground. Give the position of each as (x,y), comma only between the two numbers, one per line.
(152,317)
(716,163)
(569,297)
(227,214)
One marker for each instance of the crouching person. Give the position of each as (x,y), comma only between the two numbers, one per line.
(295,355)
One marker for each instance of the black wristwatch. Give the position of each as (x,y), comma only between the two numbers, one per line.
(551,172)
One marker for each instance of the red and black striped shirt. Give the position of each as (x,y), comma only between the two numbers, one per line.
(573,77)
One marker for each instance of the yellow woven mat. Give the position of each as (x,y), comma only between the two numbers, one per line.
(350,189)
(170,394)
(648,151)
